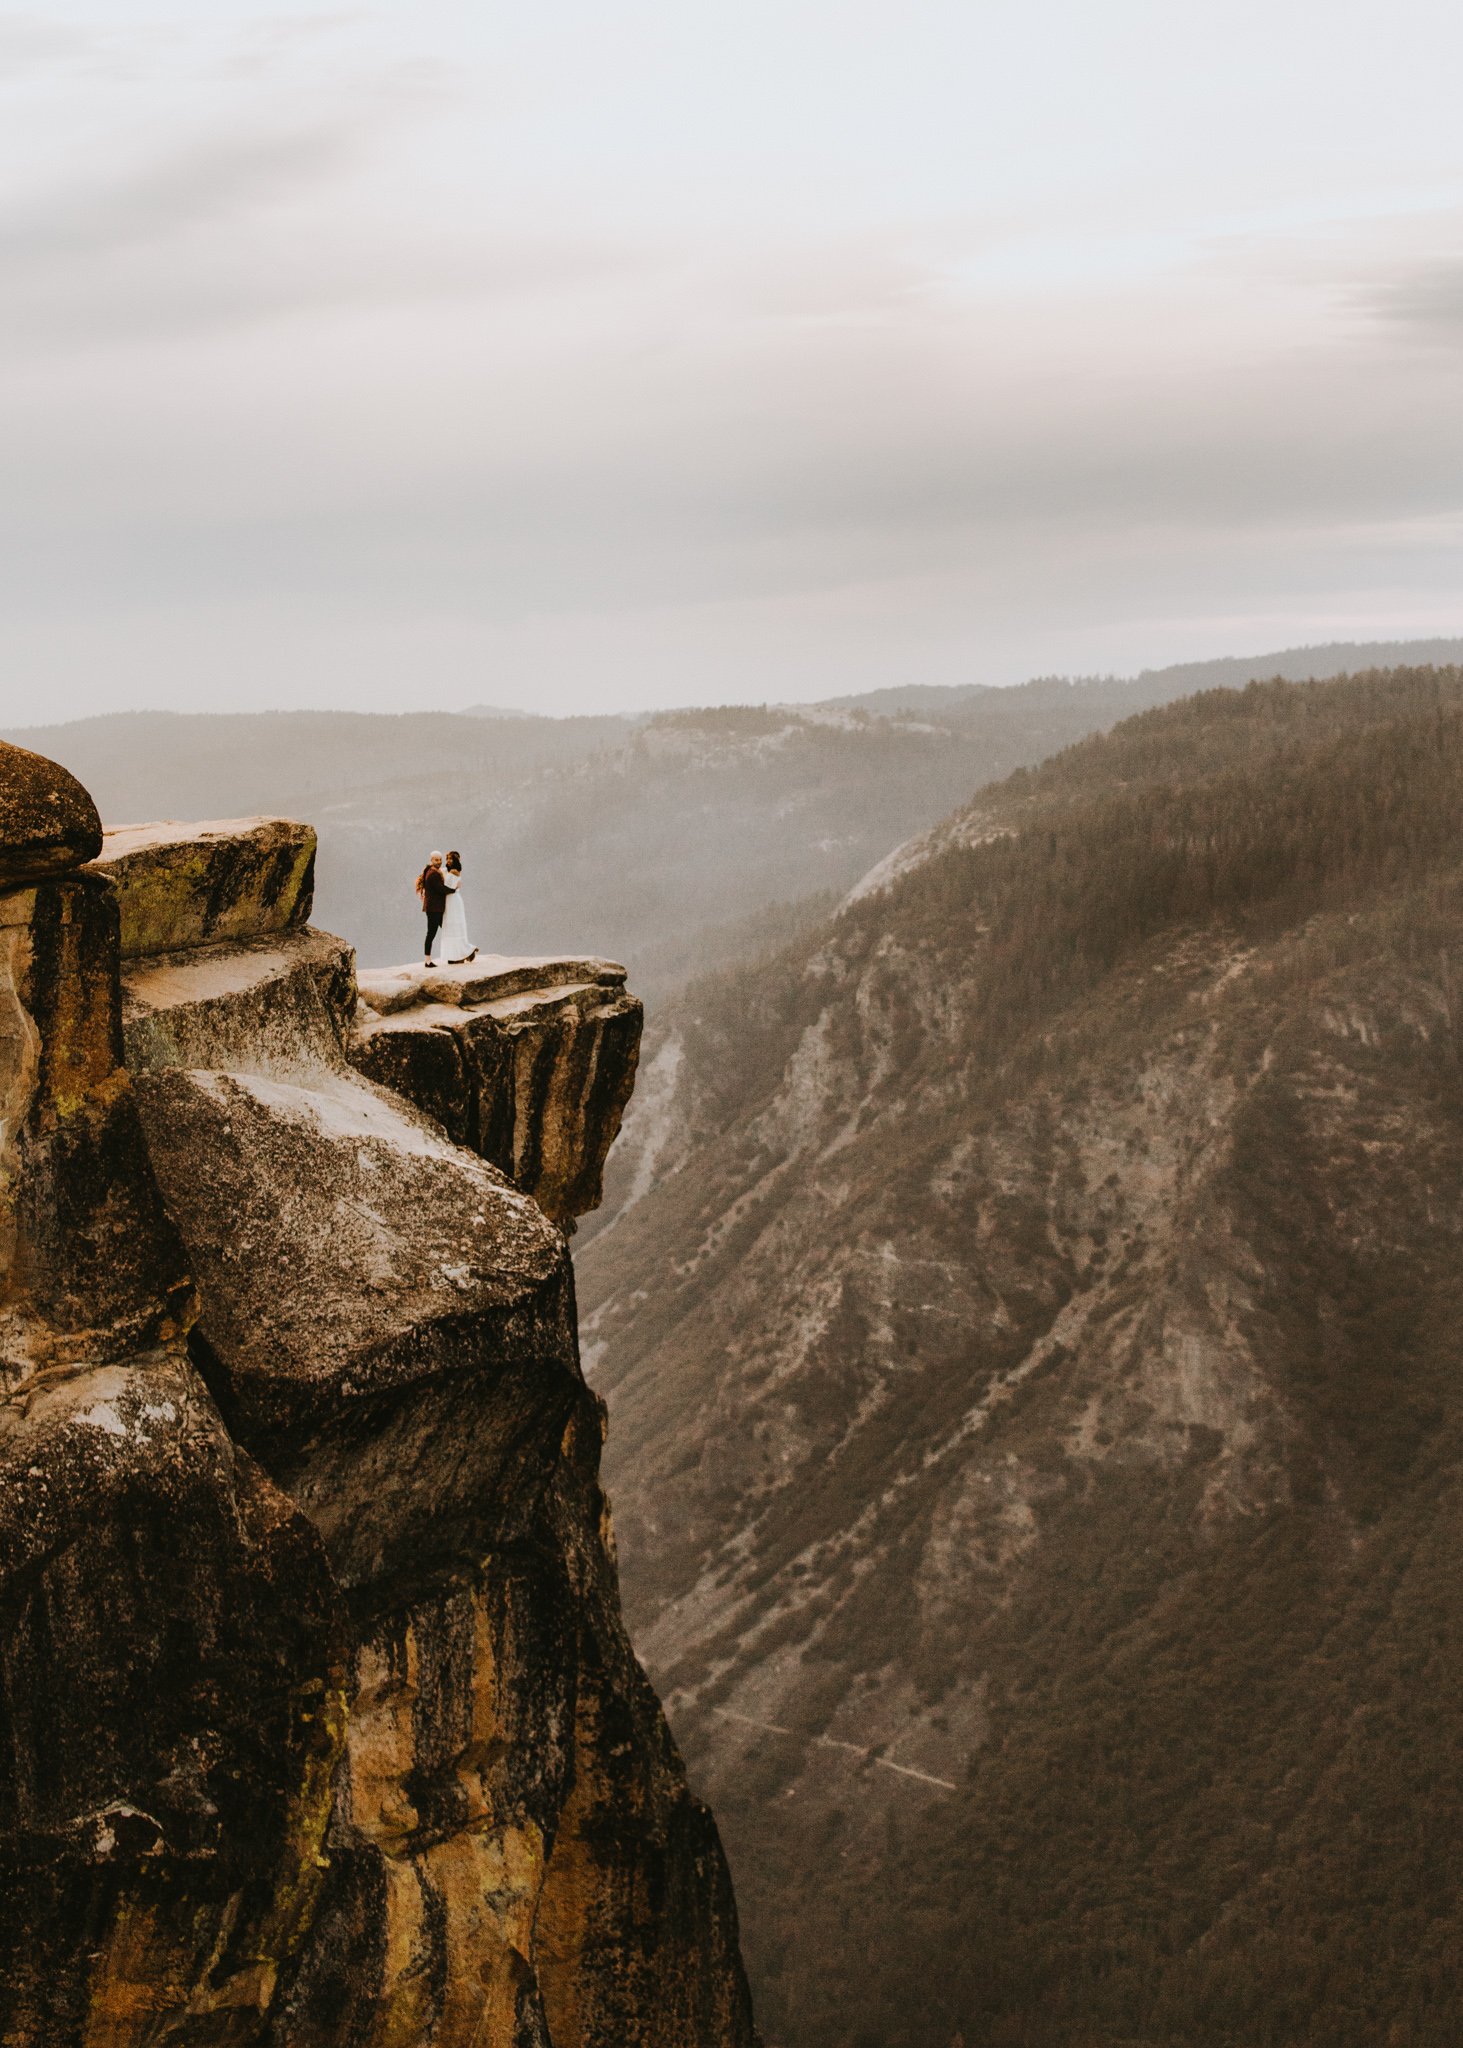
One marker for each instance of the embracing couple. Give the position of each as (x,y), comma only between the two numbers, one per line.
(440,888)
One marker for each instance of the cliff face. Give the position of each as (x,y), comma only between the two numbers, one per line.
(318,1722)
(530,1062)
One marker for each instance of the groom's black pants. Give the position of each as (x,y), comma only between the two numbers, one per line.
(434,925)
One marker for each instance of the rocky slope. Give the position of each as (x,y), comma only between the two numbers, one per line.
(318,1721)
(1030,1327)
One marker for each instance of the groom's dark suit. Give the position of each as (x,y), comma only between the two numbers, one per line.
(434,902)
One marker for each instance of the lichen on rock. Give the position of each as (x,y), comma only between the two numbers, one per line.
(191,885)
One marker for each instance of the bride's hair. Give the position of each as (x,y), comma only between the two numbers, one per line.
(454,861)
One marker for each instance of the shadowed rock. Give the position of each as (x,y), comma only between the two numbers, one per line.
(171,1714)
(48,823)
(530,1062)
(90,1261)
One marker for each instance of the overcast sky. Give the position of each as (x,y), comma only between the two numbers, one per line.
(572,356)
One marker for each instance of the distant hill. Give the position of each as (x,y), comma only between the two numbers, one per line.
(1029,1315)
(496,711)
(677,842)
(1183,678)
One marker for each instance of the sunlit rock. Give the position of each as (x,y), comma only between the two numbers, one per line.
(282,1005)
(385,1323)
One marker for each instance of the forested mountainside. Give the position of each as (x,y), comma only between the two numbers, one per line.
(1033,1359)
(662,841)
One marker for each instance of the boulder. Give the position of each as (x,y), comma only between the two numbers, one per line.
(48,823)
(385,1323)
(195,885)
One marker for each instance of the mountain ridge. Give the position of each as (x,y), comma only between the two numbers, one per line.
(658,838)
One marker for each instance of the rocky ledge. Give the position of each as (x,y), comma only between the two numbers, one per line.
(319,1726)
(529,1062)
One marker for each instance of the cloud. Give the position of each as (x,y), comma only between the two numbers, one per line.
(31,42)
(273,45)
(329,338)
(208,184)
(1428,300)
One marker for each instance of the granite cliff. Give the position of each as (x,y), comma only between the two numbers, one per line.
(318,1720)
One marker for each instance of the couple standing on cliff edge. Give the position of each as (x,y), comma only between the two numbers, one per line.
(440,890)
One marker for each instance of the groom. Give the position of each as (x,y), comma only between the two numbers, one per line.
(433,892)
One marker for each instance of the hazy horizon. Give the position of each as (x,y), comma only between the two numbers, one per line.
(1209,673)
(378,357)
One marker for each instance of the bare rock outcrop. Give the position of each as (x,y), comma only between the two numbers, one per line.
(279,1005)
(227,878)
(174,1669)
(530,1062)
(318,1720)
(92,1264)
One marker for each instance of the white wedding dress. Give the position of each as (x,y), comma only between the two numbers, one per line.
(452,943)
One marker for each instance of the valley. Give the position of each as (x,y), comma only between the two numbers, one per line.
(1035,1399)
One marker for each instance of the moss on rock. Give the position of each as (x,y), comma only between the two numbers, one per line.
(193,885)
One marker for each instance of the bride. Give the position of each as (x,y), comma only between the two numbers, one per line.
(450,947)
